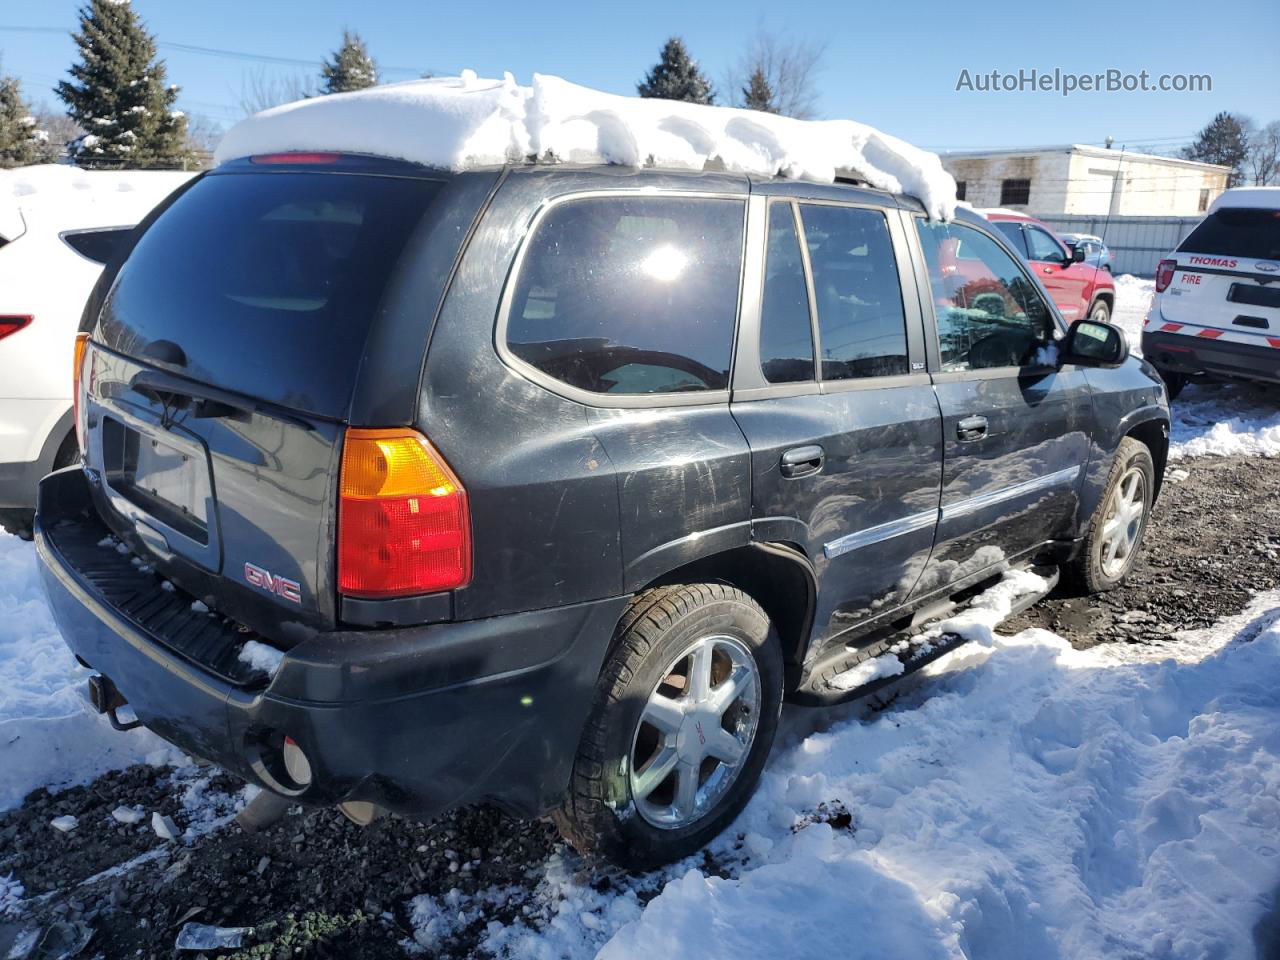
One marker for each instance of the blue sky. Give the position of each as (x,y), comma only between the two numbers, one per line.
(891,64)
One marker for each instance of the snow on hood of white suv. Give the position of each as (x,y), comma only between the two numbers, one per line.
(462,122)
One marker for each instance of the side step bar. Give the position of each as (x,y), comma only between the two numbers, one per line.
(820,688)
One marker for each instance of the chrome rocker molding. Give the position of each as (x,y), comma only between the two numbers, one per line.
(918,521)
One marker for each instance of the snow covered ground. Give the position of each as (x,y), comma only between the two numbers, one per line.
(47,735)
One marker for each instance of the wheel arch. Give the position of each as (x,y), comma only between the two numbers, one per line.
(778,576)
(1154,435)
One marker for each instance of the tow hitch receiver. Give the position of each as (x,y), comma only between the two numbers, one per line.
(107,699)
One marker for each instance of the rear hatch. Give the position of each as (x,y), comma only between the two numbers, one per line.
(1228,274)
(221,371)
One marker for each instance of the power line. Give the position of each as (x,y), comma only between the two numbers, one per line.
(221,52)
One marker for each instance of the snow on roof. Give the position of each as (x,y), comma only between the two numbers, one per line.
(60,197)
(465,121)
(1263,198)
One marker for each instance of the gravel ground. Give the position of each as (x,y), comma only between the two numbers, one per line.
(314,885)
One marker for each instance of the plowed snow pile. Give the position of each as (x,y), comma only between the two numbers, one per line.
(460,122)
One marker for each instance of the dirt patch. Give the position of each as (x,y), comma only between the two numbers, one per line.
(1212,542)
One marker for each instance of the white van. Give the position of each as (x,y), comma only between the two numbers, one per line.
(1216,312)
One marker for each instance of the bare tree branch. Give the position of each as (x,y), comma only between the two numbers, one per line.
(790,66)
(1263,160)
(261,89)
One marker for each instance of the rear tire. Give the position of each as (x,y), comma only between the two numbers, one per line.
(18,522)
(1115,532)
(684,716)
(1173,382)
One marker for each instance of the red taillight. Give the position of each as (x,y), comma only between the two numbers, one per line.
(1164,274)
(77,375)
(403,523)
(12,324)
(304,158)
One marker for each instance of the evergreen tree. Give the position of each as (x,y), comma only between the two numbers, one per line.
(351,67)
(757,94)
(1222,141)
(676,77)
(21,141)
(118,93)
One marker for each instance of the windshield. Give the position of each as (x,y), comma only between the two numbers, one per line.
(268,282)
(1237,232)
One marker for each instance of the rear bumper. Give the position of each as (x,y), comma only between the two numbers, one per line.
(1200,355)
(417,720)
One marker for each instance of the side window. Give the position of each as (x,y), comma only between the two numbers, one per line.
(862,329)
(988,312)
(1012,231)
(631,295)
(1042,246)
(97,245)
(786,337)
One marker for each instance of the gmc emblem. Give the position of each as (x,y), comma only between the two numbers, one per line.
(282,587)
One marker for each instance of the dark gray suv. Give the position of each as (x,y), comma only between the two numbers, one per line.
(546,485)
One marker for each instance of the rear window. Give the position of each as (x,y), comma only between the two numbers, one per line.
(631,295)
(97,245)
(268,282)
(1238,232)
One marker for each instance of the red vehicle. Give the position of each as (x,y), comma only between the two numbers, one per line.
(1079,289)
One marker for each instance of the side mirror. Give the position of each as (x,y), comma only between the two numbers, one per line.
(1095,344)
(1075,254)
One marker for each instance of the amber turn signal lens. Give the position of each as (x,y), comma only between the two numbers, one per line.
(77,373)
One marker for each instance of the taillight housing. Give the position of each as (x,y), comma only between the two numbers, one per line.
(1164,274)
(12,323)
(404,526)
(77,376)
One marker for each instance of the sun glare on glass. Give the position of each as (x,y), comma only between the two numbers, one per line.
(664,264)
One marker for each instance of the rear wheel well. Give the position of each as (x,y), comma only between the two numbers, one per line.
(1154,435)
(777,576)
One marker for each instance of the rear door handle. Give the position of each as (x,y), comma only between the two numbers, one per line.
(802,461)
(971,428)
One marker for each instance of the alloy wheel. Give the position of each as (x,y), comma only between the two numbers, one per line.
(1123,524)
(695,732)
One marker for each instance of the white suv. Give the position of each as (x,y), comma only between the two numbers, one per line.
(1216,312)
(58,226)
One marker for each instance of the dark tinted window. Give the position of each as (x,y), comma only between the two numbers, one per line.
(630,294)
(961,189)
(1015,192)
(97,245)
(1042,246)
(786,336)
(989,314)
(1012,231)
(1237,233)
(862,330)
(269,282)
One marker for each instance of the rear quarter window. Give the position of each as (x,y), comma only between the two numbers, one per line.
(630,295)
(1237,232)
(98,245)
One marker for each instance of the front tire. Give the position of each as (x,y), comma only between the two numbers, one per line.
(1100,313)
(1118,523)
(684,716)
(1173,382)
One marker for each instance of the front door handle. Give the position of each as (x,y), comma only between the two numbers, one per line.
(802,461)
(972,428)
(1048,270)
